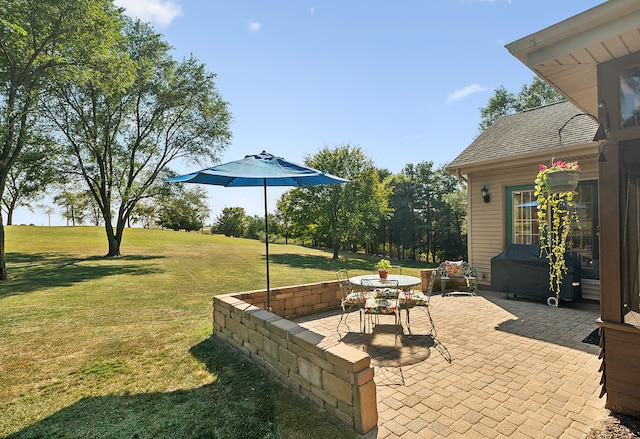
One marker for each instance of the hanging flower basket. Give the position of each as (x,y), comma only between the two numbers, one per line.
(555,192)
(565,180)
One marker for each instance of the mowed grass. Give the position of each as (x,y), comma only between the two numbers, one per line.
(121,347)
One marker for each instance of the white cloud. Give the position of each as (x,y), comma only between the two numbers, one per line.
(254,26)
(159,12)
(312,10)
(464,92)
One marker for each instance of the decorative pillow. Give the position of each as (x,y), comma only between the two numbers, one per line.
(454,268)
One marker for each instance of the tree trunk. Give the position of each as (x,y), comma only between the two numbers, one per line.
(3,265)
(114,247)
(114,239)
(9,216)
(336,248)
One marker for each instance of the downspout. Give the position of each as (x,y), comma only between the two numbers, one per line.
(461,176)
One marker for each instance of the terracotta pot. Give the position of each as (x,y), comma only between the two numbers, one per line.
(563,181)
(383,274)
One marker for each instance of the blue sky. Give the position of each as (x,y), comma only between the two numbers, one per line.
(404,80)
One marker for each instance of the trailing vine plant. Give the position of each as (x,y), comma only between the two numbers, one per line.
(556,212)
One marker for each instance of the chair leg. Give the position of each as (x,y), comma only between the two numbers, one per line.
(433,326)
(398,321)
(408,322)
(346,310)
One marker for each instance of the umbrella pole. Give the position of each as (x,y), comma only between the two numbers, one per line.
(266,243)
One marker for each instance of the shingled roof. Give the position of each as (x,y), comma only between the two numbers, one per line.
(561,124)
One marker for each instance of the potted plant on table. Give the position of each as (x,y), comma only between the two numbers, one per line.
(555,187)
(384,265)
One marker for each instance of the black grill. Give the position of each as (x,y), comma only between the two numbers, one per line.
(520,271)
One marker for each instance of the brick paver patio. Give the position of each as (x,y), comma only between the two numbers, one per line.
(518,369)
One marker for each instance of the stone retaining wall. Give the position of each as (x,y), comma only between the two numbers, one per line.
(332,375)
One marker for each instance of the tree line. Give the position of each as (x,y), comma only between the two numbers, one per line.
(417,214)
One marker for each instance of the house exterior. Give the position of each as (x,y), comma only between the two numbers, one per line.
(593,59)
(505,159)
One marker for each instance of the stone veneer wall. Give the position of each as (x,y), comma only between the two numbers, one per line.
(332,375)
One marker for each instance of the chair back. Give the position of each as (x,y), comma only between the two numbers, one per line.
(343,282)
(388,285)
(382,300)
(396,269)
(432,281)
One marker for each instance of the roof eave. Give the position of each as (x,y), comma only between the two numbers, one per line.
(579,151)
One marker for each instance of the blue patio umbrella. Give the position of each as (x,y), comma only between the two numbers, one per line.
(534,203)
(264,170)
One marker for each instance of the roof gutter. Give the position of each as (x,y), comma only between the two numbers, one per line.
(578,151)
(585,28)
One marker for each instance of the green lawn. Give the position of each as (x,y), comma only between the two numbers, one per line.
(113,348)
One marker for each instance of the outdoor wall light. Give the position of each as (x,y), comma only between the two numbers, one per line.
(486,196)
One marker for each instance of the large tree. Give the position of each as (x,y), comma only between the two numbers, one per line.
(40,40)
(451,227)
(340,213)
(231,222)
(429,213)
(182,208)
(503,102)
(30,176)
(75,204)
(120,136)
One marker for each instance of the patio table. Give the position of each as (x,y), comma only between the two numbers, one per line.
(375,281)
(408,299)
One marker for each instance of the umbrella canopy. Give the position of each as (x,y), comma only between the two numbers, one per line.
(264,170)
(534,203)
(259,170)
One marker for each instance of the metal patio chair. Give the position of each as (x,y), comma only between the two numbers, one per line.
(351,300)
(382,301)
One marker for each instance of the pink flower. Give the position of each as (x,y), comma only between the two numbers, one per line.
(559,165)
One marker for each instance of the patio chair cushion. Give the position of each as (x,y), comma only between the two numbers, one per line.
(385,293)
(413,298)
(356,298)
(381,306)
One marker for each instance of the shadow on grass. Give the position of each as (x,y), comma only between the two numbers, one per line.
(31,272)
(352,261)
(294,260)
(241,403)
